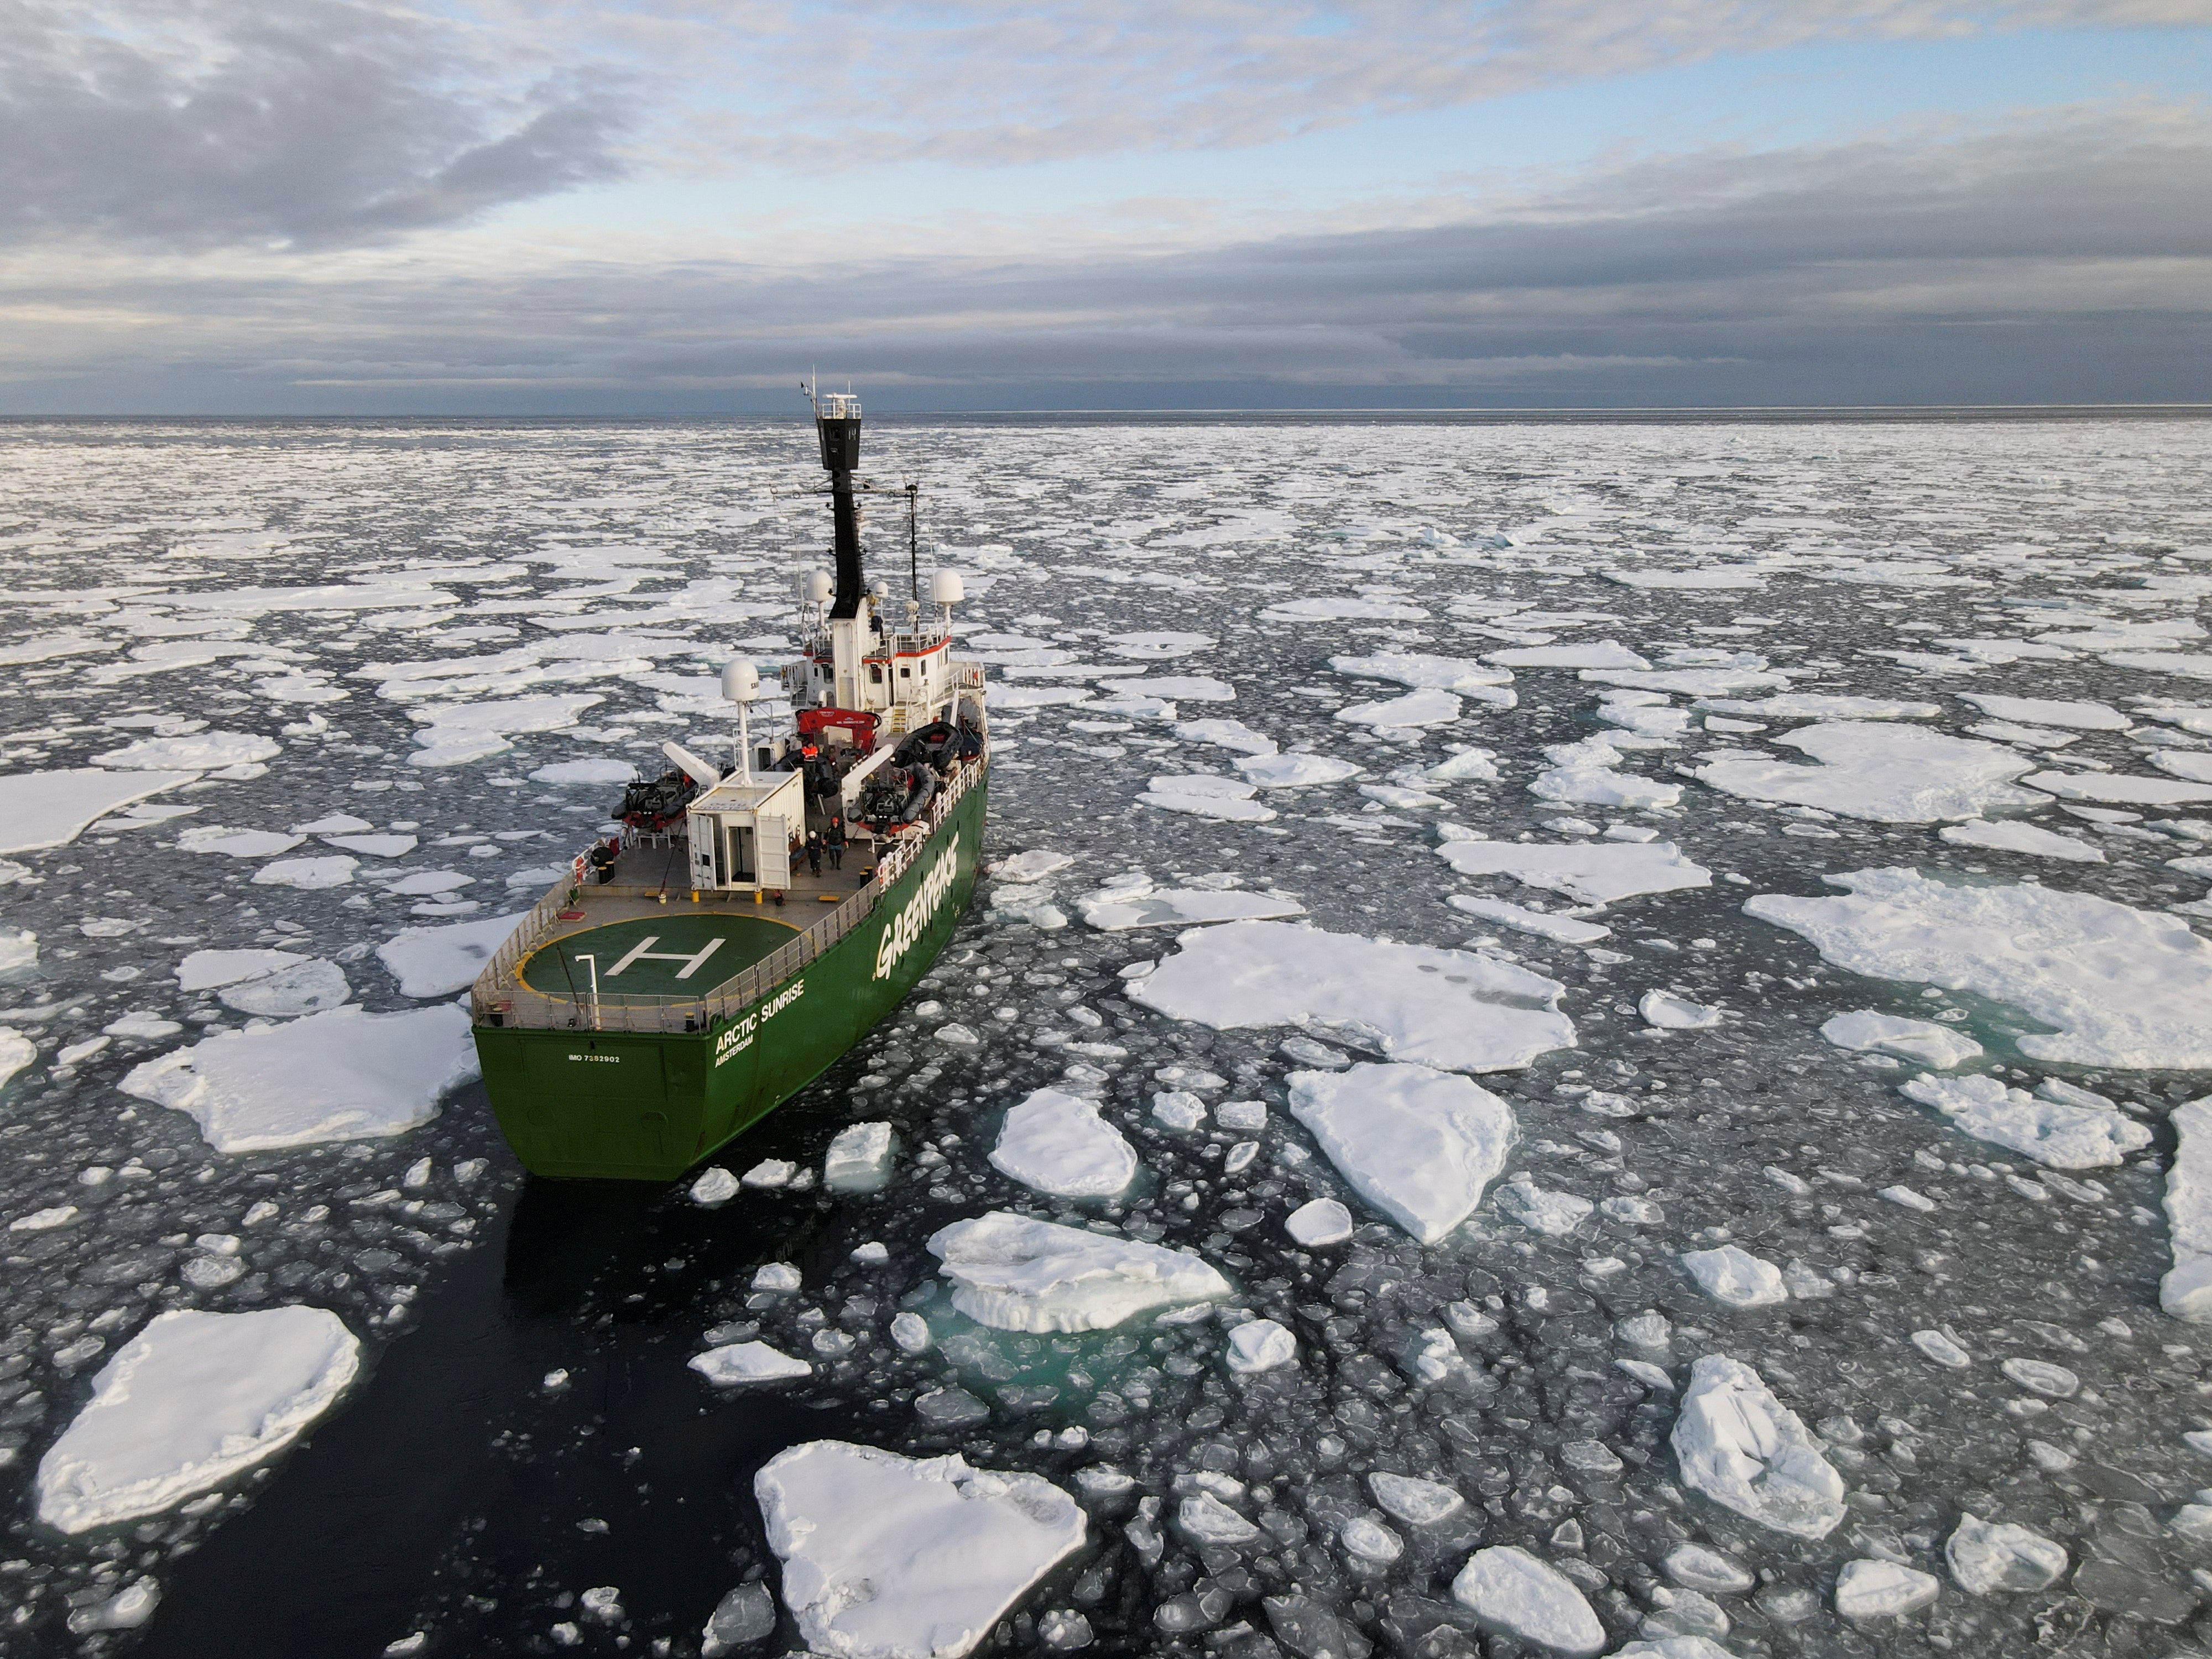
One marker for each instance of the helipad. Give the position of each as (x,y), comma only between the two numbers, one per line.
(673,955)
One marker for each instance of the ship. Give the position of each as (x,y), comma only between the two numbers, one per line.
(750,924)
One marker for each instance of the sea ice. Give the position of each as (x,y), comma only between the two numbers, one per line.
(1735,1277)
(2011,836)
(887,1557)
(1821,706)
(1415,1502)
(1554,1215)
(1940,1047)
(1342,609)
(747,1362)
(1512,1592)
(2185,1292)
(1542,924)
(1016,1274)
(1888,774)
(51,809)
(1453,674)
(310,874)
(1127,904)
(235,843)
(859,1159)
(1058,1143)
(2054,1134)
(1427,707)
(2046,711)
(1450,1009)
(2118,788)
(2124,987)
(16,1052)
(1225,734)
(200,751)
(716,1187)
(1672,1013)
(18,948)
(1596,653)
(192,1399)
(1207,795)
(207,970)
(1869,1587)
(342,1075)
(306,987)
(1748,1452)
(374,846)
(436,962)
(1596,872)
(1583,772)
(1295,771)
(1317,1222)
(1989,1556)
(586,771)
(1261,1344)
(1420,1145)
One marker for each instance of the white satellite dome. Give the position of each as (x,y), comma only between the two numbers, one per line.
(816,588)
(740,680)
(946,588)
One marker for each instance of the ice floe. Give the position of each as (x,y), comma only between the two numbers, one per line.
(1584,772)
(1512,1592)
(1295,771)
(1058,1143)
(1542,1210)
(859,1159)
(1455,674)
(436,962)
(2054,1134)
(1864,1030)
(1870,1588)
(342,1075)
(2118,788)
(1448,1009)
(1541,923)
(1748,1452)
(1261,1344)
(200,751)
(887,1557)
(1318,1222)
(1669,1012)
(1133,902)
(2049,711)
(307,874)
(2123,987)
(1420,1145)
(235,843)
(1207,795)
(1734,1277)
(2185,1292)
(1017,1274)
(1990,1557)
(1596,872)
(192,1399)
(2011,836)
(747,1362)
(1888,774)
(1426,707)
(51,809)
(1595,654)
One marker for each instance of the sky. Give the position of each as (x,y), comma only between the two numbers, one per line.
(677,206)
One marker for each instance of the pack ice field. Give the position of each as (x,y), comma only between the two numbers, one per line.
(1576,1039)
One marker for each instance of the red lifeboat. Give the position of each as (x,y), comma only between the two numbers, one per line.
(857,722)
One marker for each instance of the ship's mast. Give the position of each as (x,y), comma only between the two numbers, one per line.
(837,424)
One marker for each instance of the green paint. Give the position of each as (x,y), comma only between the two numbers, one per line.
(723,946)
(647,1107)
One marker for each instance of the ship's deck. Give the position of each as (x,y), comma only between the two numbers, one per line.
(650,942)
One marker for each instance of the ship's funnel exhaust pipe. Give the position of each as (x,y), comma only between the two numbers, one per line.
(837,424)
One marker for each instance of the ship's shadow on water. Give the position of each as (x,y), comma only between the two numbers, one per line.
(462,1493)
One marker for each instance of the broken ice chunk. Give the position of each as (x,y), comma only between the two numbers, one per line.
(1923,1040)
(1319,1222)
(769,1172)
(1672,1013)
(1058,1143)
(1420,1145)
(1873,1589)
(1543,925)
(1748,1452)
(1554,1215)
(1512,1592)
(747,1362)
(2060,1136)
(859,1159)
(192,1399)
(1989,1556)
(1415,1502)
(1941,1349)
(1016,1274)
(887,1557)
(1179,1109)
(1735,1277)
(714,1188)
(2186,1292)
(1261,1344)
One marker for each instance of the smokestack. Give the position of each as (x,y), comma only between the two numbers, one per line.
(837,422)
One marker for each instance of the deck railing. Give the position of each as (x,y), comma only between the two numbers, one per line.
(498,998)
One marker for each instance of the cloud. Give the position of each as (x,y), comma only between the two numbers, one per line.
(2063,259)
(307,123)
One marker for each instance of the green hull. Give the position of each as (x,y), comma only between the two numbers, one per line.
(647,1107)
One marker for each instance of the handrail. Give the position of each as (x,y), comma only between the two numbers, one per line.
(492,991)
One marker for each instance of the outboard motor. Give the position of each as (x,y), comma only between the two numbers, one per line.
(653,804)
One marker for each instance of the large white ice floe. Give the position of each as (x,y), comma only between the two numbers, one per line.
(2054,1133)
(1596,872)
(1450,1009)
(2011,836)
(1512,1592)
(1058,1143)
(887,1557)
(1864,1030)
(1343,610)
(1748,1452)
(1735,1277)
(1584,772)
(1133,902)
(192,1399)
(1595,654)
(590,769)
(1016,1274)
(342,1075)
(1428,706)
(2186,1292)
(207,970)
(1420,1145)
(1207,795)
(235,843)
(200,750)
(2123,987)
(1987,1557)
(2049,711)
(1822,705)
(2118,788)
(748,1362)
(1295,771)
(1541,923)
(50,809)
(1455,674)
(457,732)
(1889,774)
(436,962)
